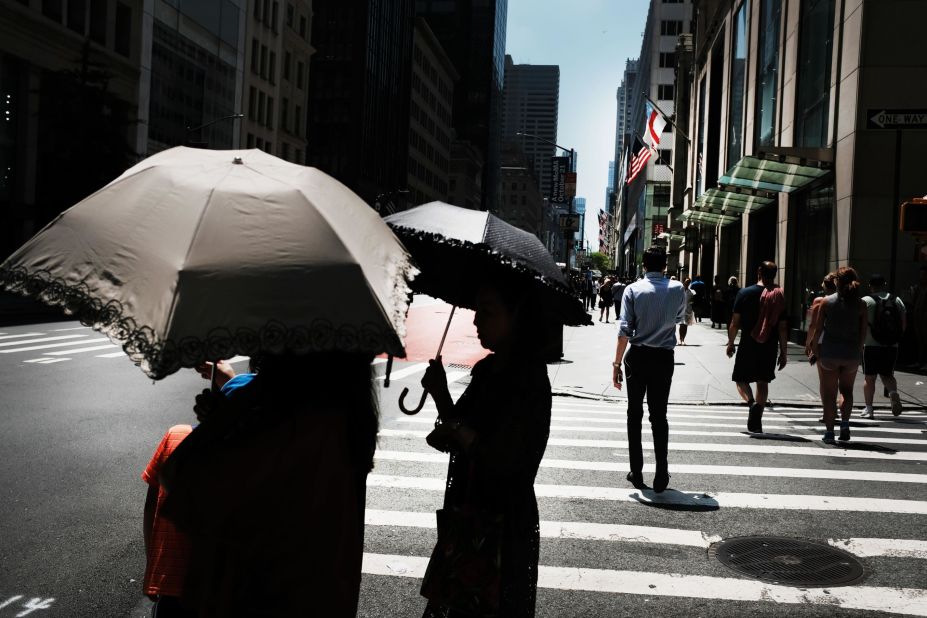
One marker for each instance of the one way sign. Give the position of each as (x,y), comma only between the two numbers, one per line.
(897,119)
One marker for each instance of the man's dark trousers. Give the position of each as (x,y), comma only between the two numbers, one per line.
(648,371)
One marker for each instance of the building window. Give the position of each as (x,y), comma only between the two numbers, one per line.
(259,142)
(812,101)
(287,61)
(738,79)
(250,141)
(52,9)
(768,72)
(272,69)
(255,55)
(264,61)
(285,151)
(298,156)
(261,105)
(290,13)
(257,9)
(77,16)
(665,92)
(670,27)
(265,13)
(285,113)
(298,121)
(269,147)
(302,26)
(123,29)
(667,60)
(98,21)
(665,156)
(300,70)
(252,103)
(274,16)
(270,114)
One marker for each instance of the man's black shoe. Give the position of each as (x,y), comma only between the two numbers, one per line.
(754,420)
(660,481)
(636,479)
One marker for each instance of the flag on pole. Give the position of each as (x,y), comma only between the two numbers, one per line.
(638,160)
(655,124)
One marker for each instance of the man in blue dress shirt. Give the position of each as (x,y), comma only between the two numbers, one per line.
(650,310)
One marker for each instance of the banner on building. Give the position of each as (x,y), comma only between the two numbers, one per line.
(569,180)
(559,166)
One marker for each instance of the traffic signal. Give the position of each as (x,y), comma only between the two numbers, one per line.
(914,216)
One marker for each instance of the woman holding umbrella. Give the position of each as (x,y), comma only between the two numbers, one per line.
(497,433)
(485,562)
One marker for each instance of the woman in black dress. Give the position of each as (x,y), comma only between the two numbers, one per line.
(496,434)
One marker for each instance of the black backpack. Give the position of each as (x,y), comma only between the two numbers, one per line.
(886,327)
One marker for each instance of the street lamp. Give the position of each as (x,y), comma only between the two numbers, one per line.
(567,236)
(208,124)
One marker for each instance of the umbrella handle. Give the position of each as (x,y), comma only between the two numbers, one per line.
(417,409)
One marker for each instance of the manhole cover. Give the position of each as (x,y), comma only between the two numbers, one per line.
(789,562)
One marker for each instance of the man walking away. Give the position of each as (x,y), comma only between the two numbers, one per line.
(887,322)
(650,309)
(759,315)
(618,288)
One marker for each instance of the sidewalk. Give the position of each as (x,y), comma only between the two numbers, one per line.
(703,371)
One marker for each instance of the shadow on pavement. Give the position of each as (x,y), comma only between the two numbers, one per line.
(862,446)
(782,437)
(673,500)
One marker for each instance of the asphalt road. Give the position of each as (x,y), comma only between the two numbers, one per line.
(78,426)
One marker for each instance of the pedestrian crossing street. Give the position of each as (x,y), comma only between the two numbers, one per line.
(613,550)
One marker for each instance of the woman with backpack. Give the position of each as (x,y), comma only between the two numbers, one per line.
(837,336)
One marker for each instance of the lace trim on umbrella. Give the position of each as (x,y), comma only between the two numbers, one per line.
(401,271)
(159,357)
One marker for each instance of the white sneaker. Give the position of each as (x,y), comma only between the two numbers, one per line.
(867,413)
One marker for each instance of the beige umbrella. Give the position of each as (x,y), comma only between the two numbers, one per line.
(196,255)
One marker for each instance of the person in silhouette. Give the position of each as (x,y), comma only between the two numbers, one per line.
(496,434)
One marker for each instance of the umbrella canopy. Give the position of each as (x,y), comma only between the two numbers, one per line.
(196,255)
(459,248)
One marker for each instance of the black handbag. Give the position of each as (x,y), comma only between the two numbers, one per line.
(465,569)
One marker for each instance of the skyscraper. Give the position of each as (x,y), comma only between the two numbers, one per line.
(359,88)
(472,33)
(530,104)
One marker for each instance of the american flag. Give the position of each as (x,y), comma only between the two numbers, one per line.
(638,161)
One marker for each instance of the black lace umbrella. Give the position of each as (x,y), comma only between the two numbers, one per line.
(458,250)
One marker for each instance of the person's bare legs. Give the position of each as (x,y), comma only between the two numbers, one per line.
(829,380)
(683,329)
(746,393)
(762,392)
(845,382)
(869,389)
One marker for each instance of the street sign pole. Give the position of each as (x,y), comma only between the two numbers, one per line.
(895,213)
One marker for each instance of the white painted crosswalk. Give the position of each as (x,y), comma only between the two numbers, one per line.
(783,482)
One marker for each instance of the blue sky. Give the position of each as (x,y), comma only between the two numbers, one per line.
(590,40)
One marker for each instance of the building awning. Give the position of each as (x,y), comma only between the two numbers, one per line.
(773,173)
(753,182)
(707,218)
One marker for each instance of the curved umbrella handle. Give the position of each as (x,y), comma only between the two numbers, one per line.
(417,409)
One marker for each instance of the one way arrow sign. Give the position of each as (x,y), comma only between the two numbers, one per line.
(897,119)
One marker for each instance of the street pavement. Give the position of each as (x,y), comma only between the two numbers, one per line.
(79,423)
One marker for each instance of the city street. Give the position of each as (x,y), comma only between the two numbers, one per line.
(80,421)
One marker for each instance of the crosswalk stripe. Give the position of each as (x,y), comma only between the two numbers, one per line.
(789,502)
(378,361)
(42,340)
(875,598)
(405,372)
(706,469)
(18,336)
(739,411)
(58,330)
(562,529)
(53,345)
(687,432)
(674,422)
(894,548)
(52,361)
(79,350)
(622,533)
(740,448)
(112,355)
